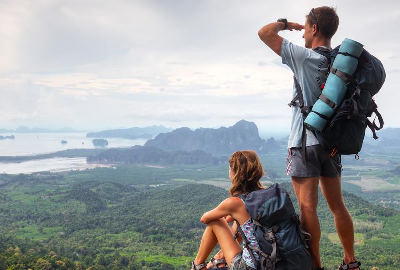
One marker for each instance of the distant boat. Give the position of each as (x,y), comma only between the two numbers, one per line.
(64,142)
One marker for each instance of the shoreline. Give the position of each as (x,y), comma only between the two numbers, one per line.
(54,164)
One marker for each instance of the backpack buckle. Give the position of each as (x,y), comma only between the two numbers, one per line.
(270,236)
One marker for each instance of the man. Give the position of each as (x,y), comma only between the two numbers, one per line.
(310,69)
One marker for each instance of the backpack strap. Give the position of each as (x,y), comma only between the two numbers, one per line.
(325,51)
(373,126)
(246,243)
(348,54)
(329,102)
(305,236)
(305,110)
(342,75)
(270,236)
(268,261)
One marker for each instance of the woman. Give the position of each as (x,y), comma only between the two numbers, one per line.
(245,172)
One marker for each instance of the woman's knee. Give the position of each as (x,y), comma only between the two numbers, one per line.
(217,222)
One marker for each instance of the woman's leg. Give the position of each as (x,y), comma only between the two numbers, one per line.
(217,231)
(220,254)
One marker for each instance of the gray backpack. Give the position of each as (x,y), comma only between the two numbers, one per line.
(282,241)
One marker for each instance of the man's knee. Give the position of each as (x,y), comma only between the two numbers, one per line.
(336,205)
(307,207)
(339,210)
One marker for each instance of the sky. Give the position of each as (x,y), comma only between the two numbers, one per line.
(102,64)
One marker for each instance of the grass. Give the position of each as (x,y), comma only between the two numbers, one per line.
(131,235)
(175,261)
(34,232)
(358,238)
(18,195)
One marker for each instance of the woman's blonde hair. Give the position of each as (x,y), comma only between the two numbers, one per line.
(247,171)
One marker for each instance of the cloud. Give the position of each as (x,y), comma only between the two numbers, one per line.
(96,62)
(177,63)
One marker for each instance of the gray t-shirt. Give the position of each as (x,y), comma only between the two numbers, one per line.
(311,69)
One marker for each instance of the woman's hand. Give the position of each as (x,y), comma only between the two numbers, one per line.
(229,219)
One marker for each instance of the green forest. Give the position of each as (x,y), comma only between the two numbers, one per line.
(139,216)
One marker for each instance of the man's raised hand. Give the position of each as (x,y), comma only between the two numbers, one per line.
(295,26)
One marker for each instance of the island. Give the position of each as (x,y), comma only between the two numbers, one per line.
(100,142)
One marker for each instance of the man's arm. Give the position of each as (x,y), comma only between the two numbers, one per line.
(269,34)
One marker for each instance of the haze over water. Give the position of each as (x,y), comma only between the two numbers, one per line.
(43,143)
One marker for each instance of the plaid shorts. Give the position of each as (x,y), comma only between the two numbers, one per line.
(238,263)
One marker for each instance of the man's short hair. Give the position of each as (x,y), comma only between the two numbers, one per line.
(326,19)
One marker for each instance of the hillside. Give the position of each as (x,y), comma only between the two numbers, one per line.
(242,135)
(67,221)
(153,155)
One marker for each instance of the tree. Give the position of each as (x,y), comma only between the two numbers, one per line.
(43,264)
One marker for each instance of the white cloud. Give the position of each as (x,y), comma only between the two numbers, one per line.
(100,63)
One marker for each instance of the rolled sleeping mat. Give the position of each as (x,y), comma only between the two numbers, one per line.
(345,64)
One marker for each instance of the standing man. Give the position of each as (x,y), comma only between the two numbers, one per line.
(310,69)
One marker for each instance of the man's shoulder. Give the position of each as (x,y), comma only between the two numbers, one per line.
(289,49)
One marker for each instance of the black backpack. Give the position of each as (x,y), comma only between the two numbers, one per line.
(345,131)
(283,243)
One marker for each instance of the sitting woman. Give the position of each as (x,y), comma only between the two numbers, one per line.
(245,172)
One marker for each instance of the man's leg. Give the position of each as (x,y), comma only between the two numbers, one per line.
(306,189)
(332,190)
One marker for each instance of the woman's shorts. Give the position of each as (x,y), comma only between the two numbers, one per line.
(238,263)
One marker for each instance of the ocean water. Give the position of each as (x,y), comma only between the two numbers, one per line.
(49,164)
(42,143)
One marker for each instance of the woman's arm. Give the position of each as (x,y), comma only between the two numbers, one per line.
(225,208)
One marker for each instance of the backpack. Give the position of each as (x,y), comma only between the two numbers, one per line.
(282,241)
(345,131)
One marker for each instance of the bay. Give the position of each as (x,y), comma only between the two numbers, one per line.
(48,164)
(27,144)
(30,144)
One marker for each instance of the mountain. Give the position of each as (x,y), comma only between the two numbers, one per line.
(130,133)
(153,155)
(389,140)
(389,133)
(243,135)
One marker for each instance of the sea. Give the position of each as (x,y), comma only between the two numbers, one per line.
(30,144)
